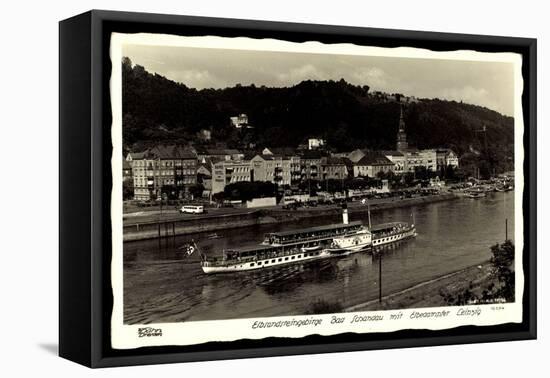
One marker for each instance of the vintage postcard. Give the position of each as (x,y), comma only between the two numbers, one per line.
(267,188)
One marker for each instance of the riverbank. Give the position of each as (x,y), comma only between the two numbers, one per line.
(428,294)
(135,229)
(358,207)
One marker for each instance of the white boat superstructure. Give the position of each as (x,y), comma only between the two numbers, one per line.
(359,241)
(392,232)
(261,261)
(309,244)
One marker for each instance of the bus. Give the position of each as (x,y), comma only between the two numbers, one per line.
(192,209)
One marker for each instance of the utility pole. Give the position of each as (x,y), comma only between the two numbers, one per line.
(368,212)
(506,228)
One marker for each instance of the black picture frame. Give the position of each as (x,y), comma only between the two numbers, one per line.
(85,297)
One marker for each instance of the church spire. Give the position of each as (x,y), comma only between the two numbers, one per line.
(401,121)
(401,134)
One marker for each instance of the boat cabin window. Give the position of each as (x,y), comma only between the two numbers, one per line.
(251,264)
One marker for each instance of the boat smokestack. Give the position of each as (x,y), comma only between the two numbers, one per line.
(345,218)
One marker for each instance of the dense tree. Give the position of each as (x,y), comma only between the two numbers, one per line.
(503,268)
(245,191)
(196,190)
(502,287)
(127,190)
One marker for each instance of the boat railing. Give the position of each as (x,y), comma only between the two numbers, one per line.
(398,231)
(278,241)
(248,259)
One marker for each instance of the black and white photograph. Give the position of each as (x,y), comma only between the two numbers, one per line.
(240,188)
(286,189)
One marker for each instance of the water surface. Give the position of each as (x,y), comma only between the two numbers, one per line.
(162,284)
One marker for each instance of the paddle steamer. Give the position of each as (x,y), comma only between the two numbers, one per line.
(280,248)
(308,244)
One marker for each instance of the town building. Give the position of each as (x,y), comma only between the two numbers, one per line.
(310,165)
(416,159)
(452,159)
(343,154)
(228,172)
(295,169)
(126,171)
(429,159)
(333,168)
(371,165)
(290,154)
(204,135)
(163,171)
(413,159)
(398,159)
(283,151)
(205,170)
(205,167)
(357,155)
(315,143)
(446,157)
(240,121)
(271,168)
(220,154)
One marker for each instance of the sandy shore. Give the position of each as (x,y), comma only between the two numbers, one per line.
(427,294)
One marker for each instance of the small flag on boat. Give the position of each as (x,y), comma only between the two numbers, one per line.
(189,248)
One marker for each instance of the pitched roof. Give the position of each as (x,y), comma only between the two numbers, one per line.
(374,158)
(165,152)
(347,162)
(225,151)
(392,153)
(172,152)
(311,154)
(282,150)
(334,161)
(138,155)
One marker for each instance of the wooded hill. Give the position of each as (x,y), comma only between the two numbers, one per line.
(156,109)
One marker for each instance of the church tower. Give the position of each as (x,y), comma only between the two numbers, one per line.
(402,144)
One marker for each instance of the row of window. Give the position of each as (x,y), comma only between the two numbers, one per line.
(288,258)
(142,172)
(240,178)
(142,182)
(387,239)
(239,169)
(164,163)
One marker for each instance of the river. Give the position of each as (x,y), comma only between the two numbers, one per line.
(162,284)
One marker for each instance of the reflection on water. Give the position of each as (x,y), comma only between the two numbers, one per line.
(162,284)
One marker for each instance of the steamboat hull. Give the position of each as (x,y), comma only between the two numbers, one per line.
(381,240)
(311,244)
(263,263)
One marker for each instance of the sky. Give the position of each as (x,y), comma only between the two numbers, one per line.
(488,84)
